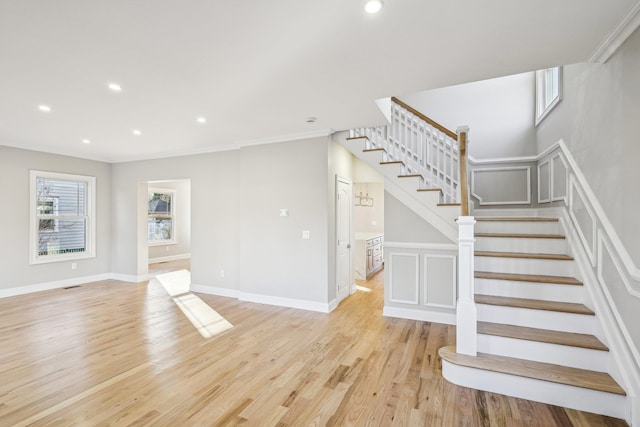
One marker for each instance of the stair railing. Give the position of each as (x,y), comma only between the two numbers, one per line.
(425,148)
(439,156)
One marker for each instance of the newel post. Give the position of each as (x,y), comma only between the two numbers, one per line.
(466,314)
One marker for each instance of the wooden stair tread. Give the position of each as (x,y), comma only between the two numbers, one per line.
(411,175)
(448,204)
(534,304)
(392,162)
(542,335)
(517,219)
(559,257)
(524,236)
(536,278)
(430,189)
(583,378)
(368,150)
(357,137)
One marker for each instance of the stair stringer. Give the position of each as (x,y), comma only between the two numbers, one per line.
(439,217)
(623,366)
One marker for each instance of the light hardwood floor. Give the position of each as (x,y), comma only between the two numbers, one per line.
(114,353)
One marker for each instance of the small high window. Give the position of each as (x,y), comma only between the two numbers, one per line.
(161,217)
(62,225)
(548,91)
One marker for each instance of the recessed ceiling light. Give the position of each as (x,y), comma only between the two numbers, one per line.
(86,141)
(115,87)
(137,132)
(44,108)
(373,6)
(311,119)
(201,120)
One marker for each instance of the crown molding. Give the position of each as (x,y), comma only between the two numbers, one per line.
(629,23)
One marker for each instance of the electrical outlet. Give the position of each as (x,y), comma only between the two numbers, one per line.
(74,265)
(306,234)
(221,273)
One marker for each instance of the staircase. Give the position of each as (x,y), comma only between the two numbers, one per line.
(536,335)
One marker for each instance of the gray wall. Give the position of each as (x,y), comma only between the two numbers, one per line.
(182,206)
(404,225)
(499,113)
(14,185)
(274,259)
(598,119)
(214,217)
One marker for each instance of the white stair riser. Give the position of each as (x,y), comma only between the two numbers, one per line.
(409,184)
(449,213)
(582,399)
(519,227)
(371,156)
(583,358)
(541,291)
(541,319)
(526,245)
(547,267)
(429,197)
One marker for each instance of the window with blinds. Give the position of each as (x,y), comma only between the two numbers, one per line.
(62,224)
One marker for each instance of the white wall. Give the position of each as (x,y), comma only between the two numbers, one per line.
(598,119)
(499,113)
(14,217)
(182,226)
(369,218)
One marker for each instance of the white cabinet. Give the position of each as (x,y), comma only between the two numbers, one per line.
(368,254)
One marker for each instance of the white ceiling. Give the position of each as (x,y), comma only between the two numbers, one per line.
(256,69)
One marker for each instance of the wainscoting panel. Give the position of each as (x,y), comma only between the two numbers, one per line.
(439,274)
(584,219)
(404,275)
(559,178)
(509,185)
(544,182)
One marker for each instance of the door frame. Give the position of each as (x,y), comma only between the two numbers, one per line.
(351,288)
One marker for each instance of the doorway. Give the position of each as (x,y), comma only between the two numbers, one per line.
(343,238)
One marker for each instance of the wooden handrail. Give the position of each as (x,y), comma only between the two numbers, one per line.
(433,123)
(462,160)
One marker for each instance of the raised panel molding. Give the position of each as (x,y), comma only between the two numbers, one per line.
(524,194)
(449,281)
(544,198)
(589,244)
(393,286)
(556,194)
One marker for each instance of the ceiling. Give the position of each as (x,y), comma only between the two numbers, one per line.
(257,69)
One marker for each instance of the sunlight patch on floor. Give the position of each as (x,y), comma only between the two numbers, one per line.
(205,319)
(363,288)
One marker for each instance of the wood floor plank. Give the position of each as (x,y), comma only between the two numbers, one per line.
(600,381)
(535,278)
(558,257)
(564,307)
(116,353)
(542,335)
(521,236)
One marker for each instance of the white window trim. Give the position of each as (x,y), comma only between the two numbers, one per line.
(540,90)
(90,224)
(174,236)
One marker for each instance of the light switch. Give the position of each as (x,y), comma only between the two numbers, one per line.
(306,234)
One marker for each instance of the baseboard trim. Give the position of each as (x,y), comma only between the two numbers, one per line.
(333,304)
(214,290)
(129,277)
(286,302)
(47,286)
(169,258)
(422,315)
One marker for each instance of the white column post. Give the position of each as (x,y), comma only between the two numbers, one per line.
(466,314)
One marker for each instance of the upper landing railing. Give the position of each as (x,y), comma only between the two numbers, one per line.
(425,148)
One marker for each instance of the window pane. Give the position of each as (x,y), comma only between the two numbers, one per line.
(159,229)
(159,203)
(61,236)
(59,197)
